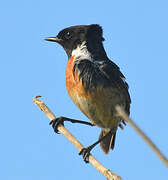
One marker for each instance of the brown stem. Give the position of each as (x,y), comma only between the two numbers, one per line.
(143,135)
(106,172)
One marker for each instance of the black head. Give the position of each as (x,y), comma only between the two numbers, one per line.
(71,37)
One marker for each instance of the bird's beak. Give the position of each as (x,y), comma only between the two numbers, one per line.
(53,39)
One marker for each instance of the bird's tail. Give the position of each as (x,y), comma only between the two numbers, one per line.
(108,142)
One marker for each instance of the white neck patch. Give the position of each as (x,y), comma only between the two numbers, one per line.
(82,52)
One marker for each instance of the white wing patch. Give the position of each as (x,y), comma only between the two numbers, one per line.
(123,79)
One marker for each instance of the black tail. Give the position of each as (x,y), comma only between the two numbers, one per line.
(107,143)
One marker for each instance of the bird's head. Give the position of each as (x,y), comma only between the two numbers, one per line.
(72,37)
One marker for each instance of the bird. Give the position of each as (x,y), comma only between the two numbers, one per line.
(94,83)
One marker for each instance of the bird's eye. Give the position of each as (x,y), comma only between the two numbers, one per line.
(68,35)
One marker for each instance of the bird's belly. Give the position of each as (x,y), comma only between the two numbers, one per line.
(99,109)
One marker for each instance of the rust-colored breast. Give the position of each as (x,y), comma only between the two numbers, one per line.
(73,84)
(70,82)
(75,88)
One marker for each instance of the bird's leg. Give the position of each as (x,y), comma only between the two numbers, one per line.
(60,120)
(85,152)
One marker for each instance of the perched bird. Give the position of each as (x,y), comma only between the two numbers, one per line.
(94,83)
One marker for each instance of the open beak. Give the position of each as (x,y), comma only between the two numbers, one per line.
(53,39)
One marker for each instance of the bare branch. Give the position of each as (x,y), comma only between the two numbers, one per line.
(106,172)
(161,156)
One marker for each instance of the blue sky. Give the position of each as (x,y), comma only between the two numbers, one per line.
(136,39)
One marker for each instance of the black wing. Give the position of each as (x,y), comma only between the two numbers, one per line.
(113,73)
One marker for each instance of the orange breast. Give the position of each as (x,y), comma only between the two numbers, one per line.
(75,88)
(73,84)
(70,82)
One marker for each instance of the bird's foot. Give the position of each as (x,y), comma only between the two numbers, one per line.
(85,152)
(56,122)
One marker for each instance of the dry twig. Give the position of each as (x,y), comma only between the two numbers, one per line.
(106,172)
(143,135)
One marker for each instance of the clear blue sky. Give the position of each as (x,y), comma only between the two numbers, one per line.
(136,34)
